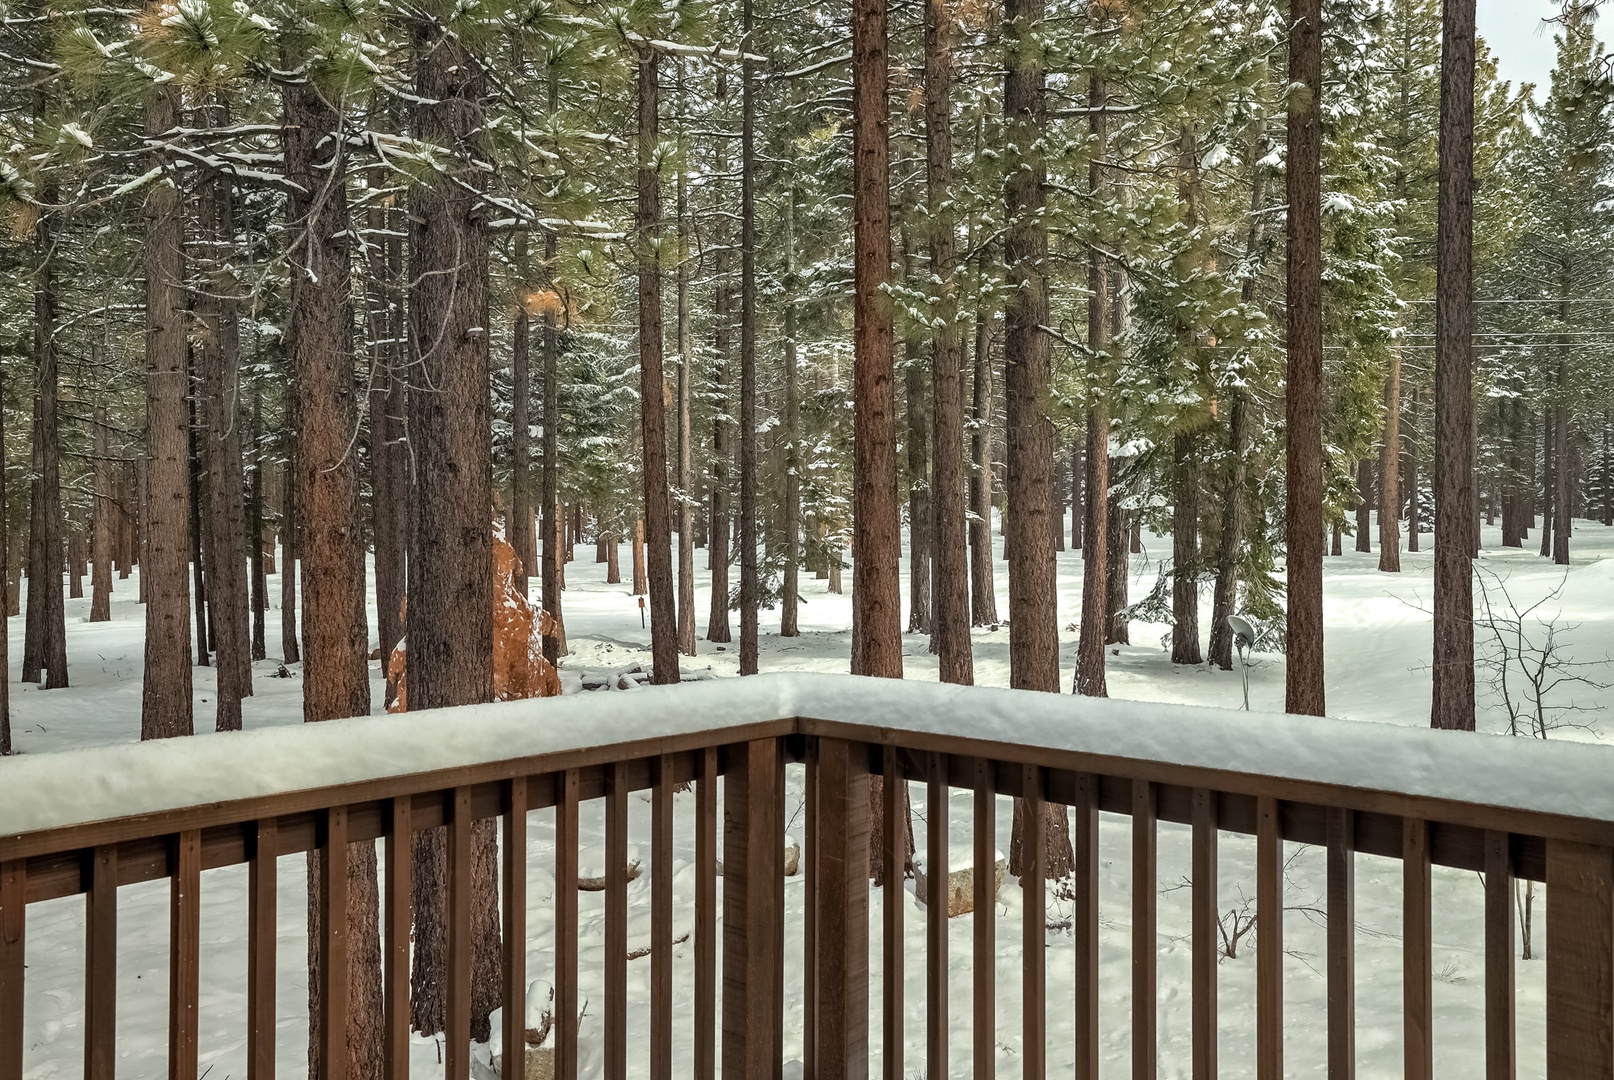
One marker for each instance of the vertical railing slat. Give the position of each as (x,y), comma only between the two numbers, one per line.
(706,916)
(461,949)
(1206,936)
(1580,961)
(1341,889)
(1034,970)
(263,881)
(1084,924)
(809,935)
(841,986)
(184,953)
(616,923)
(1501,1039)
(13,952)
(514,867)
(936,870)
(753,851)
(333,945)
(566,792)
(1145,920)
(398,913)
(893,860)
(984,1003)
(1268,940)
(1417,951)
(661,918)
(101,965)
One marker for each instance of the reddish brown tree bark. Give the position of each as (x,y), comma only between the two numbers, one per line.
(1303,683)
(1455,512)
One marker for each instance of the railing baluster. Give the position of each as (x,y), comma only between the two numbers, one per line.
(1145,919)
(566,785)
(101,965)
(1269,940)
(936,917)
(1501,1041)
(457,1037)
(1580,961)
(753,848)
(1033,1007)
(13,951)
(706,916)
(515,928)
(984,918)
(842,984)
(616,923)
(809,870)
(1084,924)
(661,913)
(262,905)
(398,908)
(892,861)
(1417,950)
(1206,936)
(333,945)
(1341,889)
(184,952)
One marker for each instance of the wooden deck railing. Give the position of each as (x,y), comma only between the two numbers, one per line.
(1437,800)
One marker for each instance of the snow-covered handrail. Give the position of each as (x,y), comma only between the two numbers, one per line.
(1564,779)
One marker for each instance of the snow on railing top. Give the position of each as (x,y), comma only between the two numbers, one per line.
(77,787)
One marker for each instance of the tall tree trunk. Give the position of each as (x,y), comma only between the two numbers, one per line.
(876,536)
(1390,471)
(1563,473)
(916,396)
(652,384)
(790,601)
(983,591)
(336,677)
(522,526)
(166,694)
(226,503)
(1230,547)
(750,586)
(1117,530)
(199,554)
(48,622)
(1455,514)
(1185,555)
(951,624)
(101,541)
(259,575)
(556,552)
(686,450)
(717,621)
(1094,628)
(1364,505)
(1303,685)
(1410,471)
(450,573)
(640,585)
(1027,367)
(291,647)
(75,562)
(389,462)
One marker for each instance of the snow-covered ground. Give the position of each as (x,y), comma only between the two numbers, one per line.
(1378,650)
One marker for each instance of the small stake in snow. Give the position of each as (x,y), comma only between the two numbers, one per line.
(641,613)
(1244,640)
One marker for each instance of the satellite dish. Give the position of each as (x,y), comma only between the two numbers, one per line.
(1244,634)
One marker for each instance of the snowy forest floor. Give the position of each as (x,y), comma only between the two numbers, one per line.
(1378,651)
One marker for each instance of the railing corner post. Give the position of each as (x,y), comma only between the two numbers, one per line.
(1580,961)
(840,914)
(753,916)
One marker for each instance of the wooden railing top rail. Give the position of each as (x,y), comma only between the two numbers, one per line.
(75,799)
